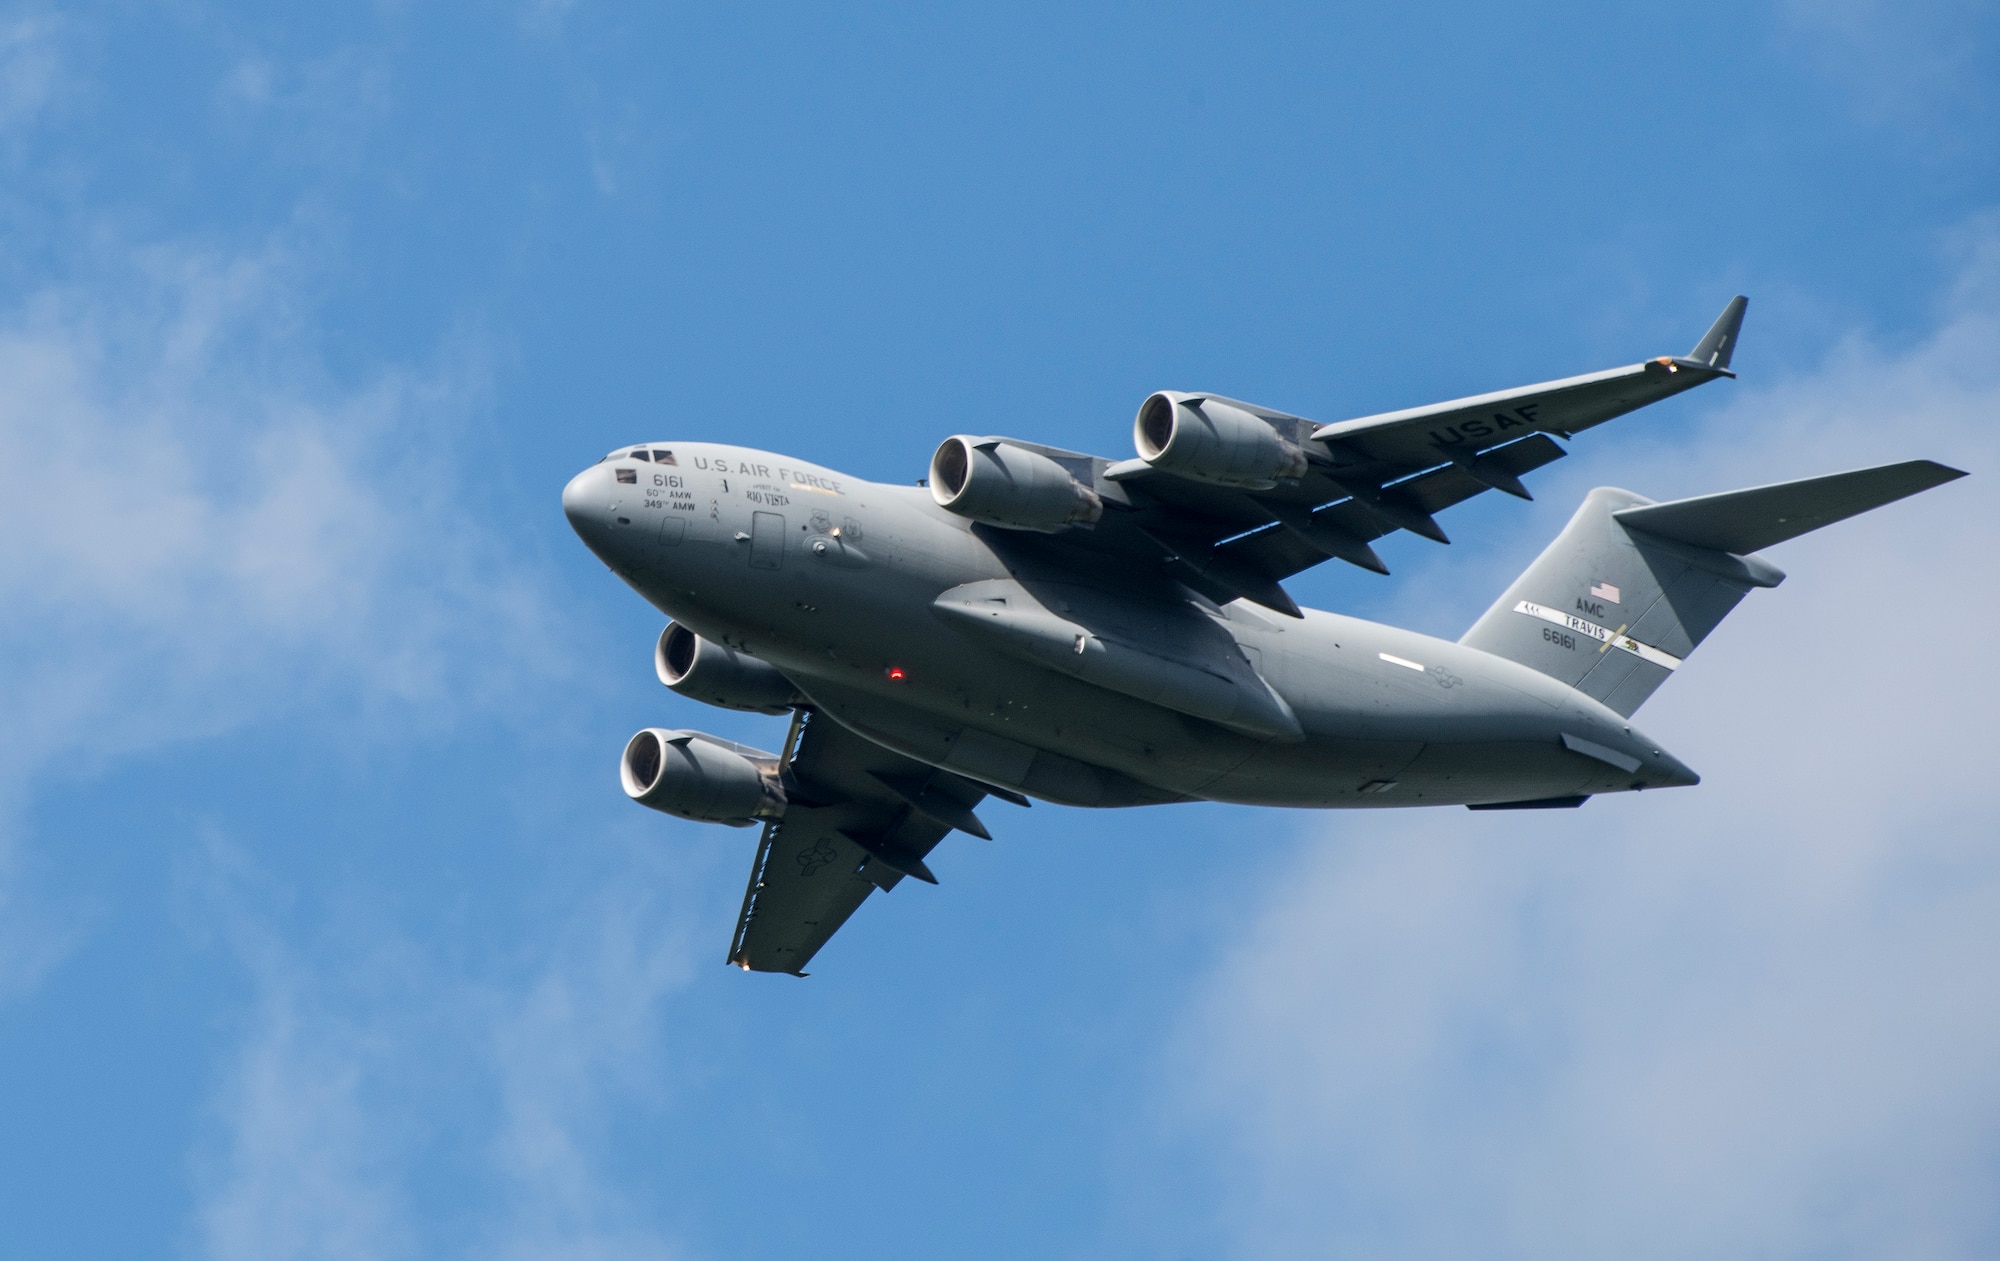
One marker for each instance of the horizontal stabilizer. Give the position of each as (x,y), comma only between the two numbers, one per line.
(1716,345)
(1616,603)
(1745,521)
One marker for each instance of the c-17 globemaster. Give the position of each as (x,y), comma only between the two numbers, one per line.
(1035,622)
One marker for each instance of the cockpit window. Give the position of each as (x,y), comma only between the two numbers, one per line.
(630,476)
(639,453)
(664,457)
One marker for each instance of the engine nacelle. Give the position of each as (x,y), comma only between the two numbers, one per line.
(700,777)
(713,674)
(995,481)
(1211,441)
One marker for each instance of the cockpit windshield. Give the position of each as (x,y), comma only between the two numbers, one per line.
(654,455)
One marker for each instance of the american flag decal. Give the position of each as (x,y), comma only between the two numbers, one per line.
(1604,591)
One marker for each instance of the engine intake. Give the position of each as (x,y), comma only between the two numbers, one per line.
(714,674)
(1211,441)
(701,777)
(995,481)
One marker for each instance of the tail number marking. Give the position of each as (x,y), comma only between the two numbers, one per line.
(1591,630)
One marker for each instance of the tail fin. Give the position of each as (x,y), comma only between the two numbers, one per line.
(1629,587)
(1719,342)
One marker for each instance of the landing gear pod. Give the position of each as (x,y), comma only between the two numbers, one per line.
(700,777)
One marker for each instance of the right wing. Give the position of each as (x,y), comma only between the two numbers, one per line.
(858,818)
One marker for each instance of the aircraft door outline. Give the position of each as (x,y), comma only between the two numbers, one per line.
(767,540)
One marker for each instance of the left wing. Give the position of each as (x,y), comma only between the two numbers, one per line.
(1362,478)
(1420,435)
(858,818)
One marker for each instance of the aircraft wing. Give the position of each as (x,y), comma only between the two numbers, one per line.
(1368,477)
(859,818)
(1417,436)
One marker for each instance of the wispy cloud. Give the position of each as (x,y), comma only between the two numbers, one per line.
(186,516)
(1758,1017)
(30,67)
(210,529)
(583,1039)
(1904,63)
(328,107)
(305,1161)
(545,18)
(369,1065)
(204,529)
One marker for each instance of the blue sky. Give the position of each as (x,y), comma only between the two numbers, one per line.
(325,932)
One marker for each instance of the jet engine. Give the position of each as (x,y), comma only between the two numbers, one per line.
(1000,483)
(713,674)
(701,777)
(1208,440)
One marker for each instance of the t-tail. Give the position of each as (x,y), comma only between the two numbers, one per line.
(1622,596)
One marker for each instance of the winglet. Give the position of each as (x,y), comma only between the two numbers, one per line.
(1719,342)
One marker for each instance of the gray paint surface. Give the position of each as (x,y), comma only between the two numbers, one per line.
(1147,656)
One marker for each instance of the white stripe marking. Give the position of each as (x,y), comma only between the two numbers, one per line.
(1644,652)
(1398,661)
(1610,757)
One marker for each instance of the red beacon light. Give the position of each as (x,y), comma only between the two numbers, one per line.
(895,674)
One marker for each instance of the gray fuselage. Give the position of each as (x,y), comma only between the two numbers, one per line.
(837,581)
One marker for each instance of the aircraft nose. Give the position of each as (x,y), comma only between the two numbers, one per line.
(580,505)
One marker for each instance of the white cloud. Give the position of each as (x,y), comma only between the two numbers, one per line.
(1757,1017)
(204,530)
(207,529)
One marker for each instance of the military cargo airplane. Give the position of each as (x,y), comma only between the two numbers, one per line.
(1031,622)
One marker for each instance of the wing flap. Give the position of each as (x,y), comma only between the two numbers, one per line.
(1345,529)
(1455,483)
